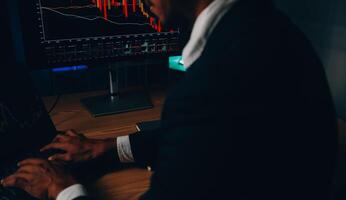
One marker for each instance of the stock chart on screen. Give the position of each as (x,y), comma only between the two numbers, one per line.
(82,30)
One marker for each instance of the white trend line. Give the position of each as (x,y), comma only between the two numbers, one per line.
(93,19)
(73,7)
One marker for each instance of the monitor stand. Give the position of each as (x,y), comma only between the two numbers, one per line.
(114,103)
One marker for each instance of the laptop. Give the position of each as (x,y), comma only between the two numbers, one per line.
(25,126)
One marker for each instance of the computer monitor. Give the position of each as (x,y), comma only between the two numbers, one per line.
(69,32)
(59,33)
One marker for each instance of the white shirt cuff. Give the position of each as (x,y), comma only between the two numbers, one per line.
(124,150)
(72,192)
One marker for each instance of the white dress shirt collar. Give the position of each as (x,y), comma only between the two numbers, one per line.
(202,29)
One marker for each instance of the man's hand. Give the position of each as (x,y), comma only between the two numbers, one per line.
(78,148)
(40,178)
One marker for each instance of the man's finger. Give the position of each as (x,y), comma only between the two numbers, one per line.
(33,169)
(23,176)
(32,161)
(60,146)
(61,139)
(61,157)
(14,181)
(72,133)
(9,181)
(58,133)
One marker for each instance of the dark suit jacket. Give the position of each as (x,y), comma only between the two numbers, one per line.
(252,119)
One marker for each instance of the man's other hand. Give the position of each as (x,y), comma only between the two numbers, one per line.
(77,147)
(40,178)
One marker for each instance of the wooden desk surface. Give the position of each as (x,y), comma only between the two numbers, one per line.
(69,114)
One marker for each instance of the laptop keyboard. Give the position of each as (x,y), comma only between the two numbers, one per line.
(14,194)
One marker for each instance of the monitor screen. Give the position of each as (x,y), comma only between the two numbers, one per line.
(65,32)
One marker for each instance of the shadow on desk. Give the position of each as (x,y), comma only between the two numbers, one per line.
(127,184)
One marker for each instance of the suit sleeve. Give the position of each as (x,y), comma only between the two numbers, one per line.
(180,172)
(144,147)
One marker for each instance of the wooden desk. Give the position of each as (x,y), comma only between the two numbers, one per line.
(69,114)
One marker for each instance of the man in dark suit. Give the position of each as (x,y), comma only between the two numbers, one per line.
(252,119)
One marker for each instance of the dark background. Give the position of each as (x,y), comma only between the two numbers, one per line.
(324,22)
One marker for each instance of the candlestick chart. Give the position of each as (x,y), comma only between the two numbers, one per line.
(95,18)
(80,29)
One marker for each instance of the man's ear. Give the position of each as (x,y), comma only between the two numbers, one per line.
(148,2)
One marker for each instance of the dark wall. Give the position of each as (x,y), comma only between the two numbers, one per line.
(324,22)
